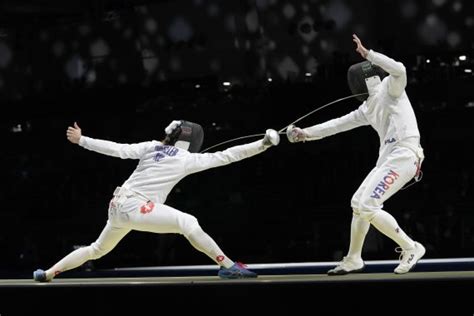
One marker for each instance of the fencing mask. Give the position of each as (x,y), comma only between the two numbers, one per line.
(362,75)
(186,135)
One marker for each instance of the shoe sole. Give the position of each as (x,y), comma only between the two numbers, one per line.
(236,276)
(344,272)
(411,269)
(239,277)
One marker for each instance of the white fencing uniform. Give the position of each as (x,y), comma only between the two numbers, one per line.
(388,110)
(139,203)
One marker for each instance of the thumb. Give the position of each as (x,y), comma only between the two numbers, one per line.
(76,126)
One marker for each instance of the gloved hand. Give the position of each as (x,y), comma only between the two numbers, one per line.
(295,134)
(172,127)
(271,138)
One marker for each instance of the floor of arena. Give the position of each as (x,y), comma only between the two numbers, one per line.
(267,279)
(288,288)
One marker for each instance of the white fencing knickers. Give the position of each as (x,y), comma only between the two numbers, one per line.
(383,181)
(131,211)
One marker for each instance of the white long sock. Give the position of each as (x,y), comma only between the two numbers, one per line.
(204,243)
(387,225)
(71,261)
(359,229)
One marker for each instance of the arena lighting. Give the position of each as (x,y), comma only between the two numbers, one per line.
(197,86)
(307,74)
(270,79)
(468,71)
(226,83)
(17,128)
(428,61)
(462,57)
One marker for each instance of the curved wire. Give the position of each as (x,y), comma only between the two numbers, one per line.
(415,181)
(320,108)
(231,140)
(282,131)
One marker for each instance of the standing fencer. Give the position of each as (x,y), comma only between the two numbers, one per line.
(139,203)
(387,109)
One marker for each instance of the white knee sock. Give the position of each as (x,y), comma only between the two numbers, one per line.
(71,261)
(204,243)
(359,229)
(387,225)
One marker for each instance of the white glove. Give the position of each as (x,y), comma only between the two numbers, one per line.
(295,134)
(173,125)
(271,138)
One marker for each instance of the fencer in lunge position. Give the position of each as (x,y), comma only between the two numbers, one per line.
(139,203)
(387,109)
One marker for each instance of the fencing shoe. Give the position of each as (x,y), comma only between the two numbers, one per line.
(237,271)
(409,258)
(348,265)
(40,276)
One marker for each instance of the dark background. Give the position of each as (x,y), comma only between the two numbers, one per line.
(124,69)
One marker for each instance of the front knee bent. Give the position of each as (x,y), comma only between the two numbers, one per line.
(188,224)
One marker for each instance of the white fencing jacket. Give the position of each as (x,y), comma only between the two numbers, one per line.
(161,167)
(387,109)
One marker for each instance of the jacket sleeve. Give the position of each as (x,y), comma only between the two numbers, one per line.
(197,162)
(344,123)
(397,80)
(124,151)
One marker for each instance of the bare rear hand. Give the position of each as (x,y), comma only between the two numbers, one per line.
(74,134)
(360,48)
